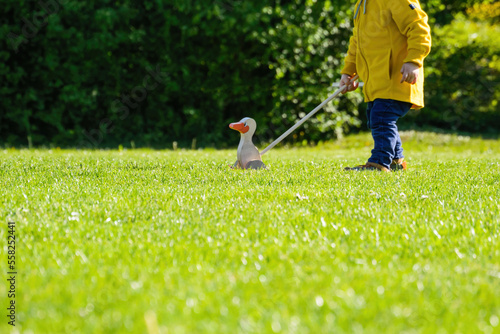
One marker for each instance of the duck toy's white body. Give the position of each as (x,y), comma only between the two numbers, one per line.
(248,155)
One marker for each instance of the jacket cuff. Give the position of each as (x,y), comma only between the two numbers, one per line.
(416,57)
(349,69)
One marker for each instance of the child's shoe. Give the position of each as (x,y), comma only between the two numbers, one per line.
(398,164)
(368,166)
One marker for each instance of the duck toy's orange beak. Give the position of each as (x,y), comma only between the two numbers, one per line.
(240,127)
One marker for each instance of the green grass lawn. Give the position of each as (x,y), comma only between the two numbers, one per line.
(150,241)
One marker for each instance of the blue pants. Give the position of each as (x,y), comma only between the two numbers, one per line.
(382,116)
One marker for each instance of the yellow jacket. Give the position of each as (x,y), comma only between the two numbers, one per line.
(387,34)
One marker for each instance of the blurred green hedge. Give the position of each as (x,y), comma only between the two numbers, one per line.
(147,73)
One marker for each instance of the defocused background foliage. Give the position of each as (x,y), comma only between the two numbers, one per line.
(225,59)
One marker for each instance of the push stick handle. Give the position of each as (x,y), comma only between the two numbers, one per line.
(303,120)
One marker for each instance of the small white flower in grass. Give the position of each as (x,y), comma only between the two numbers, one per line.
(191,302)
(262,279)
(460,255)
(301,198)
(494,321)
(319,301)
(424,197)
(136,285)
(380,290)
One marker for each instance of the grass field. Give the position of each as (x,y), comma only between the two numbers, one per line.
(150,241)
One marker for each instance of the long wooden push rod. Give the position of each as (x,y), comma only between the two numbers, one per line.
(303,120)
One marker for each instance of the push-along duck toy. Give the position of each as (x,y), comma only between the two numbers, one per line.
(248,155)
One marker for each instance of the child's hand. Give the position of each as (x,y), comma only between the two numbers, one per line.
(410,73)
(345,80)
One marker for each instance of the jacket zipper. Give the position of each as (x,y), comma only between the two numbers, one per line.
(363,57)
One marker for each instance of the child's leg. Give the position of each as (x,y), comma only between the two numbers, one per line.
(383,117)
(368,113)
(399,148)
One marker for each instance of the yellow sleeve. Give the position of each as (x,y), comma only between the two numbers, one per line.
(412,22)
(350,60)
